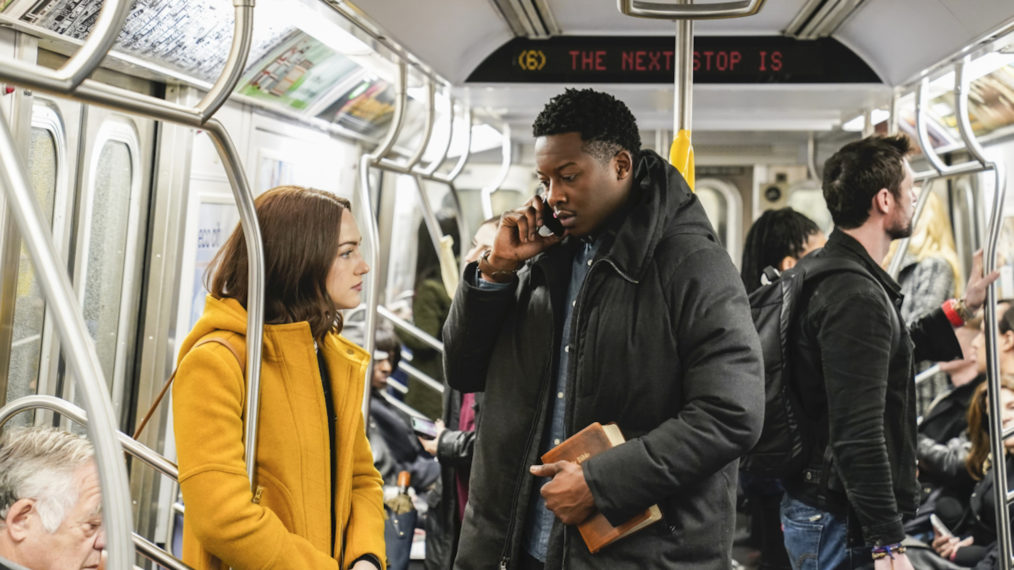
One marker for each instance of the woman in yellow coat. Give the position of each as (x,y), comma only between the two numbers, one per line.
(318,499)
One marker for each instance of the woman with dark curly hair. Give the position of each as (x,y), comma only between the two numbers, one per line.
(779,239)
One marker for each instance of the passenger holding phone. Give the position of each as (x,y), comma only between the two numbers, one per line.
(635,315)
(975,534)
(400,450)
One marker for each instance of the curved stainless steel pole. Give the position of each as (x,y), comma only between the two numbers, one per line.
(683,82)
(427,128)
(79,349)
(921,119)
(442,155)
(1000,489)
(712,10)
(242,37)
(365,163)
(100,41)
(429,217)
(467,152)
(255,295)
(505,166)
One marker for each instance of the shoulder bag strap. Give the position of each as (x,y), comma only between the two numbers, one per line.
(168,383)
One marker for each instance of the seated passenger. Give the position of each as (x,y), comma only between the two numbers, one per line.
(401,449)
(975,533)
(942,441)
(453,449)
(317,498)
(50,501)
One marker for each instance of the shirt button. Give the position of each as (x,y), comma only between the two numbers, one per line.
(556,441)
(589,263)
(559,395)
(566,348)
(573,303)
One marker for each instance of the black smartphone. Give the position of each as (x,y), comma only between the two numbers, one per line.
(549,221)
(424,428)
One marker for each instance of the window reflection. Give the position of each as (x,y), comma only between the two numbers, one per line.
(106,250)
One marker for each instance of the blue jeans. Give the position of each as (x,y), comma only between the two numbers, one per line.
(818,540)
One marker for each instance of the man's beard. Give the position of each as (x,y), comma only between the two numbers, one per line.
(899,231)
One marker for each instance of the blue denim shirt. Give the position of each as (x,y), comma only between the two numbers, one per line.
(540,519)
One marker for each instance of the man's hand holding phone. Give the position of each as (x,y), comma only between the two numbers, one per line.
(518,239)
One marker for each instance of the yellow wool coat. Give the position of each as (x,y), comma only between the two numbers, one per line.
(288,523)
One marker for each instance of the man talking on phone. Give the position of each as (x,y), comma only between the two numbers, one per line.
(634,315)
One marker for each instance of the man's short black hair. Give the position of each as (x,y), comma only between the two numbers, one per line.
(854,174)
(605,123)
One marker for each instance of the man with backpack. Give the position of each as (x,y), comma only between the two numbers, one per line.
(850,360)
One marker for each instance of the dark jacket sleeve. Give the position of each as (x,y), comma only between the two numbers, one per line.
(455,448)
(945,460)
(722,382)
(854,335)
(934,338)
(470,332)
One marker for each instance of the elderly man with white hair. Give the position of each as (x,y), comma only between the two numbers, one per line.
(50,501)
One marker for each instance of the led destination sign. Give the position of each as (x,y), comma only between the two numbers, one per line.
(611,59)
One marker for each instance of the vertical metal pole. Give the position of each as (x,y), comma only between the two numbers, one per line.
(681,152)
(370,280)
(683,87)
(255,296)
(1005,549)
(79,349)
(892,119)
(505,166)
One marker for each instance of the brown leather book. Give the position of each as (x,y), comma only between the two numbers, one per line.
(592,440)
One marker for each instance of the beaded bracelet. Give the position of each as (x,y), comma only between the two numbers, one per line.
(888,550)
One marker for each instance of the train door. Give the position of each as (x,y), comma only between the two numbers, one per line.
(31,363)
(723,203)
(110,232)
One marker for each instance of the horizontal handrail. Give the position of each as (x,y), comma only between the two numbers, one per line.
(152,552)
(397,386)
(710,11)
(130,445)
(421,376)
(410,328)
(79,416)
(402,405)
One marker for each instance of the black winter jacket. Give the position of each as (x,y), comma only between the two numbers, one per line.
(853,361)
(454,452)
(663,345)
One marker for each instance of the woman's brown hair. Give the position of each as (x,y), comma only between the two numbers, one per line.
(978,429)
(300,228)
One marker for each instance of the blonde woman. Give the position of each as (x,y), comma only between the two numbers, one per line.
(318,498)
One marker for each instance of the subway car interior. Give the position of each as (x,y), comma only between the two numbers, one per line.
(135,135)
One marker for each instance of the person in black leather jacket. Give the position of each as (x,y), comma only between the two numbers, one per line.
(635,316)
(852,360)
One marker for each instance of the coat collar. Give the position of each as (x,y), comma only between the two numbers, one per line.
(660,203)
(842,242)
